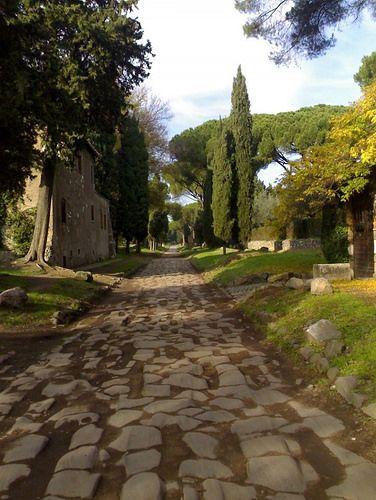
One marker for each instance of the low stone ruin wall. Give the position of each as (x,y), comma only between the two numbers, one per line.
(301,244)
(333,272)
(276,246)
(272,246)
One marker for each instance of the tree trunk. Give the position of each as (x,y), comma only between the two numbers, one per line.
(127,247)
(39,241)
(224,250)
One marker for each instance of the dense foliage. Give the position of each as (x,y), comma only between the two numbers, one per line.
(224,175)
(367,71)
(132,173)
(75,62)
(19,227)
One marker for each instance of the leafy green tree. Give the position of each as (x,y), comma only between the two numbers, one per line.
(87,57)
(158,194)
(224,173)
(285,135)
(189,151)
(17,124)
(19,226)
(241,125)
(158,226)
(133,174)
(299,27)
(367,71)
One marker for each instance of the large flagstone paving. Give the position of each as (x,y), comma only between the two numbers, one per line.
(157,396)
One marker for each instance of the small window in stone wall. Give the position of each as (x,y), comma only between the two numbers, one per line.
(92,213)
(64,261)
(63,211)
(78,251)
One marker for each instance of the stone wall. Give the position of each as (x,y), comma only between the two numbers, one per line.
(302,244)
(276,246)
(80,230)
(272,246)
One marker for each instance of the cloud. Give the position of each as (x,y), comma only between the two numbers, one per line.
(200,43)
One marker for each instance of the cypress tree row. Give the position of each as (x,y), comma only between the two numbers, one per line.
(207,216)
(132,164)
(224,174)
(241,124)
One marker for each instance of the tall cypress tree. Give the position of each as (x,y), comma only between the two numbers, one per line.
(133,171)
(241,123)
(224,175)
(207,216)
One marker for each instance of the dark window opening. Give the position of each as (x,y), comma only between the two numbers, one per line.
(63,211)
(79,251)
(92,213)
(71,253)
(64,261)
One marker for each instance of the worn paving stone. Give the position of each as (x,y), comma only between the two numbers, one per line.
(90,434)
(73,484)
(168,406)
(141,461)
(186,381)
(144,486)
(279,473)
(201,444)
(360,483)
(137,437)
(11,473)
(124,417)
(158,391)
(220,490)
(164,389)
(257,424)
(25,448)
(203,469)
(81,458)
(257,447)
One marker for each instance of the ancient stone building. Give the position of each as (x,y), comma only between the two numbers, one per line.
(80,230)
(361,219)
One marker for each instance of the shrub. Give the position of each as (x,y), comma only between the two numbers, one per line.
(335,245)
(19,229)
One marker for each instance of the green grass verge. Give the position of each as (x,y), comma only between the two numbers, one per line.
(50,293)
(46,295)
(351,308)
(223,270)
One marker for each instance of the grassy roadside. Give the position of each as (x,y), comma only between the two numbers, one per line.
(282,314)
(286,313)
(49,293)
(222,270)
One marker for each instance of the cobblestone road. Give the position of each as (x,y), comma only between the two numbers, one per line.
(158,396)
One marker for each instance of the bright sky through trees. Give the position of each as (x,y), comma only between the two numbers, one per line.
(200,43)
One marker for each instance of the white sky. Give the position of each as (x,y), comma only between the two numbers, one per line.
(198,45)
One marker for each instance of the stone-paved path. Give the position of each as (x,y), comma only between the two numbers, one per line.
(159,397)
